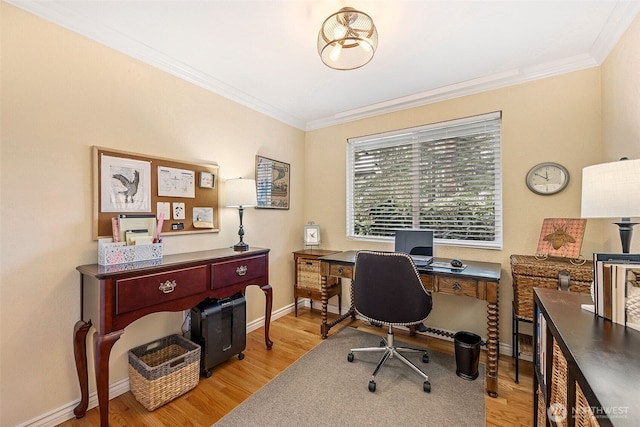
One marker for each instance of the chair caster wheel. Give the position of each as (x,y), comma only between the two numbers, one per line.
(240,356)
(350,357)
(425,358)
(372,386)
(207,373)
(426,386)
(383,344)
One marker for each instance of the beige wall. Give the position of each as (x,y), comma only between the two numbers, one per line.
(621,114)
(556,119)
(62,93)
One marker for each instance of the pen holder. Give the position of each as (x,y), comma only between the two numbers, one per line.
(110,253)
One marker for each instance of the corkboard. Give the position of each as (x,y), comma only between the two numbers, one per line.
(202,193)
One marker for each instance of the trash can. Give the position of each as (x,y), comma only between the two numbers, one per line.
(467,348)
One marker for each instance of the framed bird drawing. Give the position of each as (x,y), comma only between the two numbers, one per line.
(561,237)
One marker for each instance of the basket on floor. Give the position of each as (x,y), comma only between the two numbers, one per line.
(162,370)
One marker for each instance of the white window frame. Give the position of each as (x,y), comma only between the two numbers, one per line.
(412,209)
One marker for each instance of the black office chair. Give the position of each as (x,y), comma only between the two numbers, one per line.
(387,290)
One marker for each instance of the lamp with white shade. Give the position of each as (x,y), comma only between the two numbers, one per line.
(240,193)
(612,190)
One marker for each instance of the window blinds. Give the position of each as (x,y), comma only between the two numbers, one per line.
(443,177)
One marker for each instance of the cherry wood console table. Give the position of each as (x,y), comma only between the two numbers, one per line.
(115,296)
(478,280)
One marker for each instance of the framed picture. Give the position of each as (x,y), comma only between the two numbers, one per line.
(561,237)
(272,182)
(206,180)
(311,235)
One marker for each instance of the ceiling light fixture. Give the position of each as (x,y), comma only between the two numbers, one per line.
(347,39)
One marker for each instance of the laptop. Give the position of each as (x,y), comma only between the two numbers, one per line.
(418,244)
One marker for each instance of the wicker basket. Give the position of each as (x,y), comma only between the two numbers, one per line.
(583,414)
(162,370)
(542,409)
(529,272)
(559,383)
(309,273)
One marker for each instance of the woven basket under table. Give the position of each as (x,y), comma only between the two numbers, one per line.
(162,370)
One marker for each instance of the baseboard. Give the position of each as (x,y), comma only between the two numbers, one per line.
(65,412)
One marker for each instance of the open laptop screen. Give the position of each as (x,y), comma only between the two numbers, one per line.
(418,243)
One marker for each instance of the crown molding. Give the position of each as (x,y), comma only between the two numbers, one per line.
(620,19)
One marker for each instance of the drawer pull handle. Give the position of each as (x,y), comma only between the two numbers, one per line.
(340,270)
(242,270)
(456,286)
(168,286)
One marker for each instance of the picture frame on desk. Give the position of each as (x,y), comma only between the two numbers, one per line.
(312,235)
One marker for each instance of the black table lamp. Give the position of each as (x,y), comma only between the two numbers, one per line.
(612,190)
(240,193)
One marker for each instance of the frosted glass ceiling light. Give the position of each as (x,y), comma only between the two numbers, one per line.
(347,40)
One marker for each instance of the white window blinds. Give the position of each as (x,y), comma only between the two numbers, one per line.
(443,177)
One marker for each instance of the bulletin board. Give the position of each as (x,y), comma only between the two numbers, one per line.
(140,185)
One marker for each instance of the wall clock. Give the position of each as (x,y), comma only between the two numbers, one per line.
(547,178)
(312,235)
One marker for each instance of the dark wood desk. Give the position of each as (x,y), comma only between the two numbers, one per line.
(115,296)
(601,363)
(478,280)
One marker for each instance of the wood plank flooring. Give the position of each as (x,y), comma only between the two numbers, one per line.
(235,380)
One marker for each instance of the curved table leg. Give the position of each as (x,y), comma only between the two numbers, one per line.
(103,345)
(268,293)
(80,331)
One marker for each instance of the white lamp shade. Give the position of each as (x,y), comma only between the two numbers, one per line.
(240,192)
(611,190)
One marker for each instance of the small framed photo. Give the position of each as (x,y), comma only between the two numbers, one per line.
(311,235)
(206,180)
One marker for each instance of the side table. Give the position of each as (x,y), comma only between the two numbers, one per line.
(551,273)
(308,280)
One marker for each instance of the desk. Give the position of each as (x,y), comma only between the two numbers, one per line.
(479,280)
(115,296)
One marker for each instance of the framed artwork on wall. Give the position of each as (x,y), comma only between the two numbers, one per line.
(272,182)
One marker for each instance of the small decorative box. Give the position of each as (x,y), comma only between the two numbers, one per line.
(110,253)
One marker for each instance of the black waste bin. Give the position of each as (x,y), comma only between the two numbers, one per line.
(467,347)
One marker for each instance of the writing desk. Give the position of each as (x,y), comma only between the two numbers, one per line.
(478,280)
(114,296)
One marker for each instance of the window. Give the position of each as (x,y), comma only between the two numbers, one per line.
(443,177)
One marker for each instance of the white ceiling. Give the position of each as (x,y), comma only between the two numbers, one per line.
(262,53)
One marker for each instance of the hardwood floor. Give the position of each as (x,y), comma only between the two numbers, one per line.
(233,381)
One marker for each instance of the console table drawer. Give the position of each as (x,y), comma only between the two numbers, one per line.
(233,272)
(144,291)
(458,286)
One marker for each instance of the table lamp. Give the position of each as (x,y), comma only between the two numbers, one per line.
(240,193)
(612,190)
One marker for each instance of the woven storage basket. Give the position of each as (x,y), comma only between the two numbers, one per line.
(529,272)
(164,369)
(583,414)
(559,382)
(542,409)
(309,273)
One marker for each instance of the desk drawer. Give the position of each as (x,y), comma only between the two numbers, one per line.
(458,286)
(341,270)
(145,291)
(237,271)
